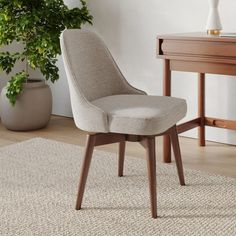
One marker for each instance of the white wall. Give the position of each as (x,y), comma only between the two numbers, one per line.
(19,66)
(129,28)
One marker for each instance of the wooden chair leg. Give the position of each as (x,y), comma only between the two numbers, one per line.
(85,169)
(149,144)
(121,158)
(176,149)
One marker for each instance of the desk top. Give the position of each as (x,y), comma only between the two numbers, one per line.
(198,52)
(196,45)
(197,36)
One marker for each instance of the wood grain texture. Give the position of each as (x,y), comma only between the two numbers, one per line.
(177,152)
(220,123)
(167,92)
(203,67)
(201,109)
(185,50)
(200,53)
(198,48)
(91,140)
(121,159)
(197,36)
(188,125)
(149,144)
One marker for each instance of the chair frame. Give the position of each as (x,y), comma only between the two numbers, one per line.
(148,142)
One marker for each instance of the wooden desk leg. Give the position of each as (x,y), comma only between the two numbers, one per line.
(201,109)
(167,92)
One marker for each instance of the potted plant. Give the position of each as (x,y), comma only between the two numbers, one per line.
(26,103)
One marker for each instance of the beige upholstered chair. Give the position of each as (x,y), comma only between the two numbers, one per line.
(106,106)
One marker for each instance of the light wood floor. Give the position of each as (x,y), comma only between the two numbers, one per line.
(214,158)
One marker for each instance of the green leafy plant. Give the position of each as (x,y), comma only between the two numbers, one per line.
(37,24)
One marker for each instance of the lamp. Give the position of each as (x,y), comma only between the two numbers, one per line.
(213,26)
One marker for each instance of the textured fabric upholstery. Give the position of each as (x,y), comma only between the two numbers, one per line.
(141,114)
(91,73)
(102,100)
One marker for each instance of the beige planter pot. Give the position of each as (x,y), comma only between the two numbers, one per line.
(32,109)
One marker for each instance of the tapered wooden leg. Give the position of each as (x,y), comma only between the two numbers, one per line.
(167,92)
(121,158)
(85,169)
(167,149)
(176,149)
(149,144)
(201,109)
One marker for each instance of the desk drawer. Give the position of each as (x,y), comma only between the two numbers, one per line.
(199,48)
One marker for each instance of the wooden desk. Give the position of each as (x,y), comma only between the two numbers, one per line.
(196,52)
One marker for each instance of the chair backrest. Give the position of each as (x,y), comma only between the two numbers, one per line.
(92,73)
(94,70)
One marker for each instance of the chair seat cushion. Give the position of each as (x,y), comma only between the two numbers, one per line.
(141,114)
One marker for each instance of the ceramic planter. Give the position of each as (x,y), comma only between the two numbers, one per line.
(32,110)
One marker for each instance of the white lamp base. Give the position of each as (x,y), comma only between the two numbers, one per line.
(213,23)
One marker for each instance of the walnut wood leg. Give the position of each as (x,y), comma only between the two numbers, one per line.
(91,139)
(167,149)
(176,149)
(167,92)
(201,109)
(149,144)
(121,158)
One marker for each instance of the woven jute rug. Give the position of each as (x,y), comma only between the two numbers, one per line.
(38,188)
